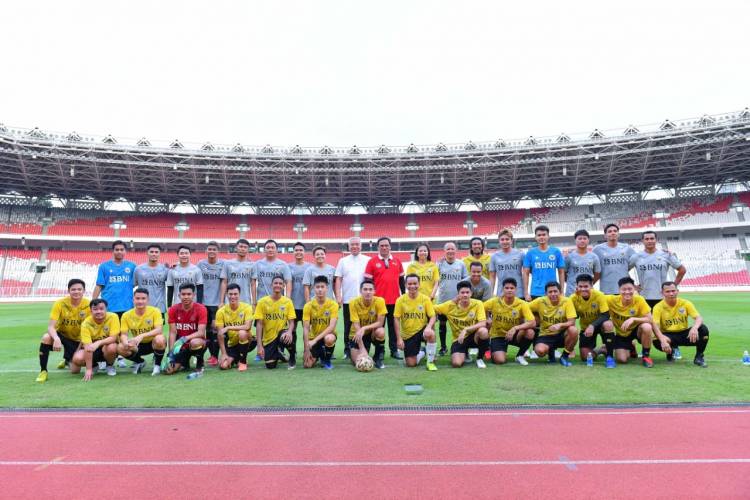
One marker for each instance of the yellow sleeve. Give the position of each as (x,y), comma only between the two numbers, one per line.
(291,313)
(526,312)
(380,308)
(56,311)
(219,319)
(444,307)
(114,325)
(481,316)
(534,305)
(488,305)
(429,308)
(410,269)
(86,333)
(353,314)
(657,315)
(643,308)
(158,319)
(398,309)
(259,311)
(691,310)
(604,305)
(125,324)
(306,312)
(435,273)
(570,310)
(333,307)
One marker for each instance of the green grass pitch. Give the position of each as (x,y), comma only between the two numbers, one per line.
(725,380)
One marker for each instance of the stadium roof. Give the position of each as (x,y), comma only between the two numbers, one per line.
(707,151)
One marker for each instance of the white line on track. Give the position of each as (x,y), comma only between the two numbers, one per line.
(432,463)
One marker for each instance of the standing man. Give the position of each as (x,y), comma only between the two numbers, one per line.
(651,265)
(541,265)
(214,289)
(581,261)
(264,271)
(507,262)
(387,272)
(184,273)
(114,281)
(239,271)
(614,259)
(481,288)
(298,269)
(452,271)
(152,275)
(476,254)
(350,271)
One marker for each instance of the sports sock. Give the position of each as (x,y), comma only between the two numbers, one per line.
(213,343)
(44,350)
(431,350)
(523,345)
(551,355)
(609,343)
(198,353)
(158,356)
(565,354)
(700,346)
(443,331)
(646,351)
(242,349)
(484,346)
(379,353)
(252,345)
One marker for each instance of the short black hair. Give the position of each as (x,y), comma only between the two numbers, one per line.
(300,244)
(668,283)
(270,241)
(185,247)
(154,245)
(320,279)
(233,286)
(212,244)
(477,238)
(627,280)
(185,286)
(411,275)
(541,227)
(76,281)
(510,281)
(643,235)
(587,278)
(476,263)
(242,241)
(140,289)
(366,281)
(278,277)
(98,301)
(463,284)
(319,247)
(611,224)
(118,242)
(551,284)
(581,232)
(382,238)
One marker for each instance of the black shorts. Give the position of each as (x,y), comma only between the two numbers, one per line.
(366,340)
(318,350)
(69,346)
(469,343)
(145,348)
(553,341)
(183,357)
(681,338)
(233,352)
(652,302)
(413,344)
(272,348)
(98,356)
(626,342)
(499,344)
(585,342)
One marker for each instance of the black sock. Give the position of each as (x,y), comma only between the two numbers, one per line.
(565,354)
(646,351)
(327,354)
(551,355)
(700,347)
(158,356)
(198,353)
(523,345)
(633,349)
(609,343)
(44,350)
(484,345)
(443,330)
(242,349)
(213,344)
(379,350)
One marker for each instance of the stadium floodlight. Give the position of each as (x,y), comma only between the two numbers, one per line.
(118,224)
(357,227)
(708,155)
(72,171)
(207,179)
(661,214)
(182,226)
(242,228)
(412,226)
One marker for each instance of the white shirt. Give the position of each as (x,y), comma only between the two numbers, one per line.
(351,270)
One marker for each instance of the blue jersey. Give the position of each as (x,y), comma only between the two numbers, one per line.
(118,284)
(543,267)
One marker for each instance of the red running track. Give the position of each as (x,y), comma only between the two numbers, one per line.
(692,452)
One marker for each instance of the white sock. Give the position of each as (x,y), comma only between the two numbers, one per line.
(431,351)
(420,355)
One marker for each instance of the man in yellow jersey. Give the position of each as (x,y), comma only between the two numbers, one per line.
(429,275)
(274,324)
(593,314)
(672,328)
(415,317)
(476,254)
(64,327)
(99,338)
(319,324)
(511,322)
(367,314)
(557,324)
(145,324)
(631,317)
(234,322)
(468,324)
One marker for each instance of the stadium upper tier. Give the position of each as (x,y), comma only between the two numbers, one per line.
(706,151)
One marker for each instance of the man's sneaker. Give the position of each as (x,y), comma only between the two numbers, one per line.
(62,364)
(396,355)
(698,361)
(481,364)
(670,357)
(647,362)
(565,362)
(346,355)
(532,354)
(258,358)
(156,371)
(292,364)
(431,367)
(441,352)
(213,361)
(241,367)
(677,353)
(379,364)
(420,356)
(522,361)
(121,362)
(102,366)
(610,362)
(42,377)
(138,367)
(328,365)
(111,371)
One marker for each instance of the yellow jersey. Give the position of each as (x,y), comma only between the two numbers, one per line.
(70,317)
(504,316)
(674,319)
(460,318)
(618,312)
(320,315)
(91,331)
(483,259)
(365,315)
(589,309)
(550,314)
(226,316)
(413,314)
(275,315)
(428,275)
(138,325)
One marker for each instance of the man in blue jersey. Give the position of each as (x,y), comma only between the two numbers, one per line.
(541,265)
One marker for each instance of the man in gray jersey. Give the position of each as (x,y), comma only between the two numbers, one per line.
(320,268)
(152,276)
(651,266)
(239,271)
(298,269)
(614,260)
(214,289)
(183,273)
(581,261)
(264,271)
(506,263)
(452,271)
(481,288)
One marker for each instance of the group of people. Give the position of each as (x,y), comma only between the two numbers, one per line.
(543,298)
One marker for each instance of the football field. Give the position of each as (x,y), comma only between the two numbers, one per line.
(724,381)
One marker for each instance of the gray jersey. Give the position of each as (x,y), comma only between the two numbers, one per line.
(212,276)
(652,271)
(179,275)
(313,272)
(577,264)
(240,272)
(153,279)
(298,289)
(507,265)
(450,275)
(615,264)
(482,291)
(264,272)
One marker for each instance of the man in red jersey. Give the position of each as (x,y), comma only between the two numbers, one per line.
(187,325)
(387,272)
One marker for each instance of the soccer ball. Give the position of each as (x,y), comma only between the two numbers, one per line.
(365,364)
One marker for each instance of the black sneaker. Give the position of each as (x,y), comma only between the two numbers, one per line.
(379,364)
(699,361)
(670,357)
(396,355)
(442,352)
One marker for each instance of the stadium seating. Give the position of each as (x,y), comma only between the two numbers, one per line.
(489,223)
(328,226)
(151,226)
(447,224)
(376,226)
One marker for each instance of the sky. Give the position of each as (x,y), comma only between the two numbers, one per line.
(340,73)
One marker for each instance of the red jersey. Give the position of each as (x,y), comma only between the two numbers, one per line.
(385,278)
(186,322)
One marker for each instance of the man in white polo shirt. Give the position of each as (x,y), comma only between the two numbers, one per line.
(349,274)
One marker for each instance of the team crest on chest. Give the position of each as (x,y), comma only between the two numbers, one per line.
(514,313)
(681,310)
(471,314)
(551,257)
(148,321)
(419,308)
(81,314)
(632,312)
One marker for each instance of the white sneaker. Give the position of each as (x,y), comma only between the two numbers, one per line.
(111,371)
(521,361)
(677,353)
(121,363)
(480,363)
(420,355)
(137,367)
(532,355)
(156,370)
(102,366)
